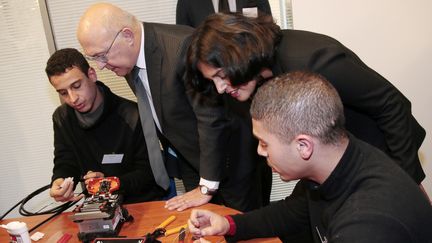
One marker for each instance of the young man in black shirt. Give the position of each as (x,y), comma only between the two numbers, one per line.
(349,191)
(96,133)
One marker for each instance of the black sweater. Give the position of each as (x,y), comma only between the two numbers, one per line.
(117,131)
(367,198)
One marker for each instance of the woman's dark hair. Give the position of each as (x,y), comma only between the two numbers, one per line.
(240,45)
(64,59)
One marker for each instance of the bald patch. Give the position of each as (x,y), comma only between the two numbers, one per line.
(97,18)
(98,25)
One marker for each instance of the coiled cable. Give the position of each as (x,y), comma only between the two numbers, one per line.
(56,210)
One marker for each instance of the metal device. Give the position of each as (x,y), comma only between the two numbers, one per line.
(101,213)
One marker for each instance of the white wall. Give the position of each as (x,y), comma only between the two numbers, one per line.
(394,37)
(27,101)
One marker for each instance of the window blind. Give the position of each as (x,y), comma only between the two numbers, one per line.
(26,103)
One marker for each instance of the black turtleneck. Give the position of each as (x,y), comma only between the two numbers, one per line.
(367,198)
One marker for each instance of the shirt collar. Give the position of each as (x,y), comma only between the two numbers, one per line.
(141,57)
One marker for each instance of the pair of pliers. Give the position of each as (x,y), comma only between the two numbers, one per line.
(182,235)
(161,230)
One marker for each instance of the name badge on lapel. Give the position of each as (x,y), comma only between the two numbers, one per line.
(250,12)
(112,158)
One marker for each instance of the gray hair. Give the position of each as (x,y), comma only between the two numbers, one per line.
(300,103)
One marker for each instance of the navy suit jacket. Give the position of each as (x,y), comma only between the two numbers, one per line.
(193,12)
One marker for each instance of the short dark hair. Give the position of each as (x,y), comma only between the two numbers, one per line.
(64,59)
(300,102)
(240,45)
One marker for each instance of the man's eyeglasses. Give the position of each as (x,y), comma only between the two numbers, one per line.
(103,57)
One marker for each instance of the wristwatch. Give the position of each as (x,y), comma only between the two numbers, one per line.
(206,191)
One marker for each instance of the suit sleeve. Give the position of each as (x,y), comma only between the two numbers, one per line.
(213,136)
(365,91)
(213,128)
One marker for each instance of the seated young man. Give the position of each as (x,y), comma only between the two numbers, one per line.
(348,191)
(96,133)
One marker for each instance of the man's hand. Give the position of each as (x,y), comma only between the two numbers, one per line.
(205,223)
(62,190)
(193,198)
(90,174)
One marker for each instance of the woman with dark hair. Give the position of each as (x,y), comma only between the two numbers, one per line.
(233,55)
(241,49)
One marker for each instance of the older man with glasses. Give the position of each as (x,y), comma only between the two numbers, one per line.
(85,144)
(193,129)
(102,58)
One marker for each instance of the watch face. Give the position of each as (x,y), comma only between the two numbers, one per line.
(204,190)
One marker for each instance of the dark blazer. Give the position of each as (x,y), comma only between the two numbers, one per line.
(198,127)
(376,111)
(193,12)
(194,127)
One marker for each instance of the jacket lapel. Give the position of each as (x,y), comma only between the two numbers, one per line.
(153,58)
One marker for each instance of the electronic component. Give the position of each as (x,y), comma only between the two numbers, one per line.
(101,213)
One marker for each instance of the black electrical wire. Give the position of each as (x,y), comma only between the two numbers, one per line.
(25,200)
(56,211)
(52,216)
(59,208)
